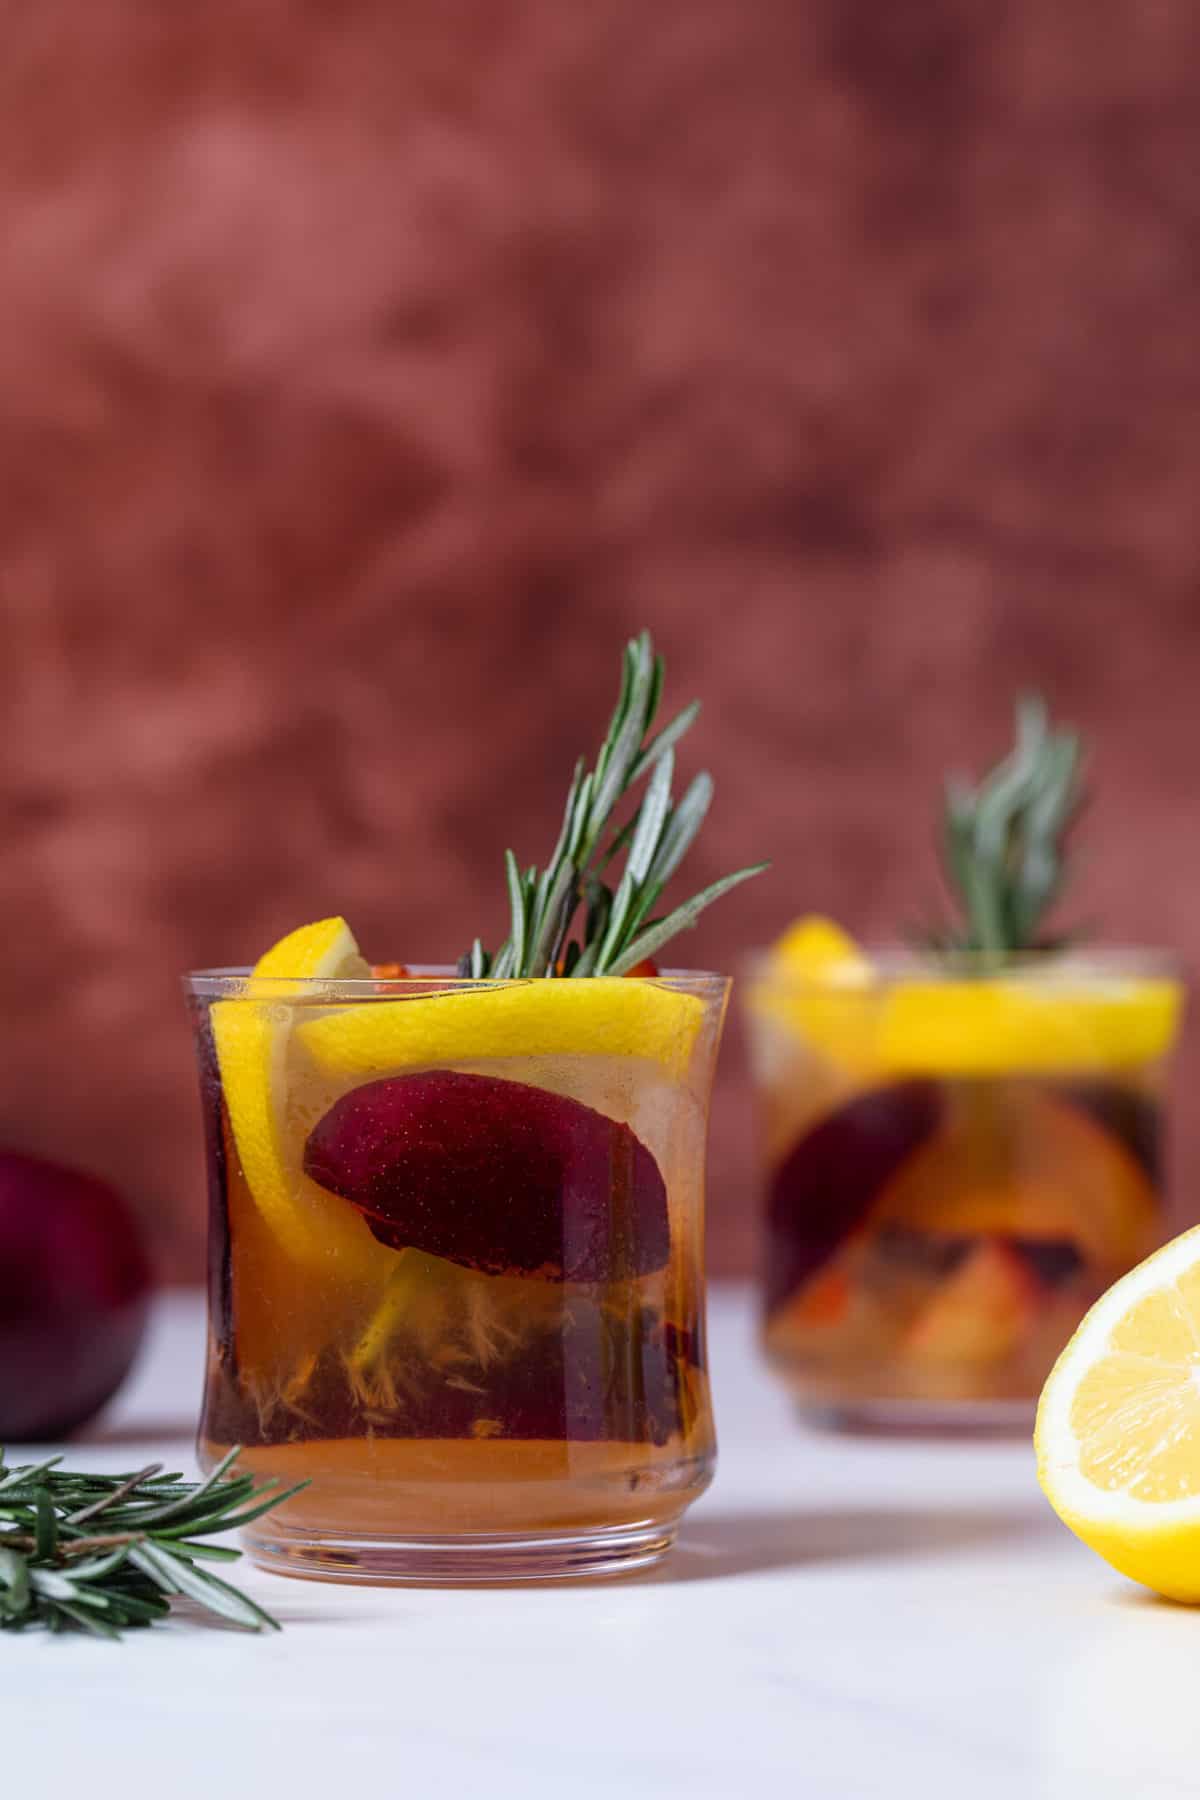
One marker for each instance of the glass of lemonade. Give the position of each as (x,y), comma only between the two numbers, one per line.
(456,1266)
(959,1159)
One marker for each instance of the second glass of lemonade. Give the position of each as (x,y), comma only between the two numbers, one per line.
(456,1266)
(959,1159)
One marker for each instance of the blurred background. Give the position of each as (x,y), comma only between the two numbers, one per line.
(369,372)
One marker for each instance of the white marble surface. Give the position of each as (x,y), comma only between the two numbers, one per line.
(848,1618)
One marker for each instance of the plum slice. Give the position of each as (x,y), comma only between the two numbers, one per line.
(825,1188)
(494,1175)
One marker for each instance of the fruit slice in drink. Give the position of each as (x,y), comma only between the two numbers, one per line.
(960,1165)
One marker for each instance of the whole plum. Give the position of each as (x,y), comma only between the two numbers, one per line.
(74,1293)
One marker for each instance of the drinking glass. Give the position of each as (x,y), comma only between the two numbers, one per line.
(455,1274)
(959,1157)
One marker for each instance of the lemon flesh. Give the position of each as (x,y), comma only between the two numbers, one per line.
(252,1034)
(1118,1428)
(615,1017)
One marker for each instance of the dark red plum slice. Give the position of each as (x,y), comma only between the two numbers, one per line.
(496,1176)
(825,1188)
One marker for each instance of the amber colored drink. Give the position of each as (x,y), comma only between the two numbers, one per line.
(958,1162)
(455,1274)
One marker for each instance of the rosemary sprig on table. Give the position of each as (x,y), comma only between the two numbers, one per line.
(1003,842)
(102,1553)
(620,926)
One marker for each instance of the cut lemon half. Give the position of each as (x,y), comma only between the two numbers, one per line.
(1118,1427)
(609,1016)
(251,1034)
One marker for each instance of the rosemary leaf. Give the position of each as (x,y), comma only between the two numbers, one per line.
(27,1477)
(682,919)
(653,698)
(666,740)
(628,671)
(14,1575)
(87,1621)
(516,900)
(623,754)
(682,827)
(622,902)
(46,1528)
(651,818)
(176,1575)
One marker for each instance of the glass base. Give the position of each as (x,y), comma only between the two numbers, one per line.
(471,1557)
(933,1418)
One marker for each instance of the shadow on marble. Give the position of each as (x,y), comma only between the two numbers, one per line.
(1131,1596)
(287,1611)
(710,1549)
(172,1433)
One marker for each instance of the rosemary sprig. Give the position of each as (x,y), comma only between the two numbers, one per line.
(1003,842)
(620,927)
(103,1553)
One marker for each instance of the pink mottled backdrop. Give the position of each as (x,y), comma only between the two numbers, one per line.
(368,372)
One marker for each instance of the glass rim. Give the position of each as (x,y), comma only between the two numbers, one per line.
(422,980)
(893,964)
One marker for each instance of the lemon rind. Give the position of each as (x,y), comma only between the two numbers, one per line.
(251,1041)
(996,1028)
(608,1016)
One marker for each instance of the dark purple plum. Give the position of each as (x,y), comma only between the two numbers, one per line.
(496,1176)
(74,1291)
(825,1187)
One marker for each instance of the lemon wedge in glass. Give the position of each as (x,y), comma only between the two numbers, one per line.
(609,1016)
(252,1035)
(899,1015)
(1035,1022)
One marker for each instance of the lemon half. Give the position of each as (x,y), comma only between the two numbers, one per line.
(1118,1427)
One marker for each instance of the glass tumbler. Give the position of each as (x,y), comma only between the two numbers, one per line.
(960,1157)
(455,1271)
